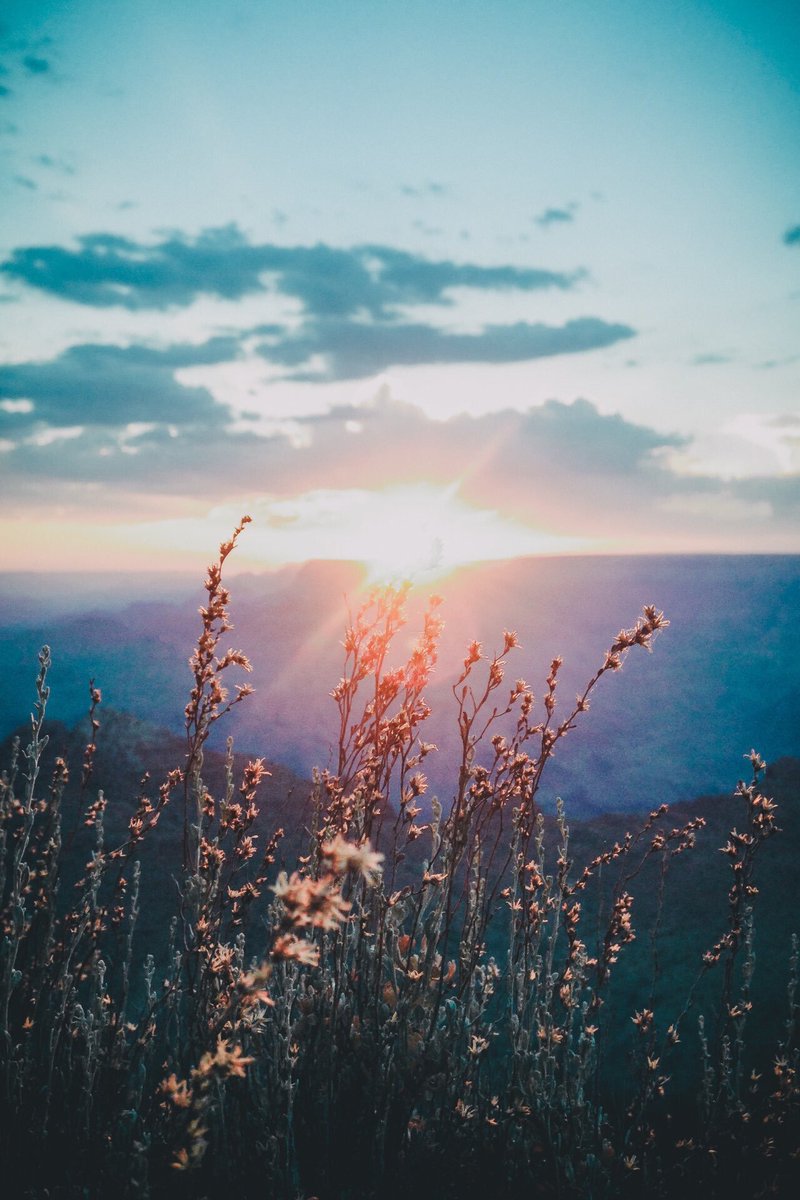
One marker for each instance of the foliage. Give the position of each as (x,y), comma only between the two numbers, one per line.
(421,1002)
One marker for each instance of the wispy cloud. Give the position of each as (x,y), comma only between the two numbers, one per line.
(353,350)
(556,216)
(107,270)
(54,164)
(425,190)
(711,359)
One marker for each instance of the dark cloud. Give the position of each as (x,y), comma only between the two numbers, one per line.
(35,65)
(413,280)
(5,91)
(792,236)
(23,182)
(112,386)
(556,216)
(353,350)
(108,270)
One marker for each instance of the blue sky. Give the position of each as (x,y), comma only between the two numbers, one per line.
(532,267)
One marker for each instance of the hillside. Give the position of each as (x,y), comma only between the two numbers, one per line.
(724,676)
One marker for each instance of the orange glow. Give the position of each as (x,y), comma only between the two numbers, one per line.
(416,531)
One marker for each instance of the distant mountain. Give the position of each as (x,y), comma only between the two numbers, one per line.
(723,678)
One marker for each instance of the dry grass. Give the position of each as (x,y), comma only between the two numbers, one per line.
(419,1006)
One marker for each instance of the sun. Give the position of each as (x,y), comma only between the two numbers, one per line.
(408,532)
(421,532)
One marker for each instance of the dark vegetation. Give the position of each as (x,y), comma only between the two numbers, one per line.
(217,978)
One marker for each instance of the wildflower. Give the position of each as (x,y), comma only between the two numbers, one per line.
(303,952)
(311,902)
(176,1090)
(251,983)
(181,1162)
(246,848)
(226,1060)
(361,860)
(432,877)
(474,651)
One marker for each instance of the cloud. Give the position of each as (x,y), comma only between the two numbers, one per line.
(556,216)
(54,164)
(353,350)
(706,360)
(792,236)
(508,454)
(108,270)
(357,304)
(427,189)
(98,385)
(35,65)
(567,469)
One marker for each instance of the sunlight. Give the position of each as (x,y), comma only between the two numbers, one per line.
(417,532)
(411,532)
(422,532)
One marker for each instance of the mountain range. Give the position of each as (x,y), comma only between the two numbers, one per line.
(724,677)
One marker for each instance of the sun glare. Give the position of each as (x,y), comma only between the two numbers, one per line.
(416,532)
(421,532)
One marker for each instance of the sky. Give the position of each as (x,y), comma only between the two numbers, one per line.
(413,283)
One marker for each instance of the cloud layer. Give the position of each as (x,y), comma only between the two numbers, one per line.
(563,468)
